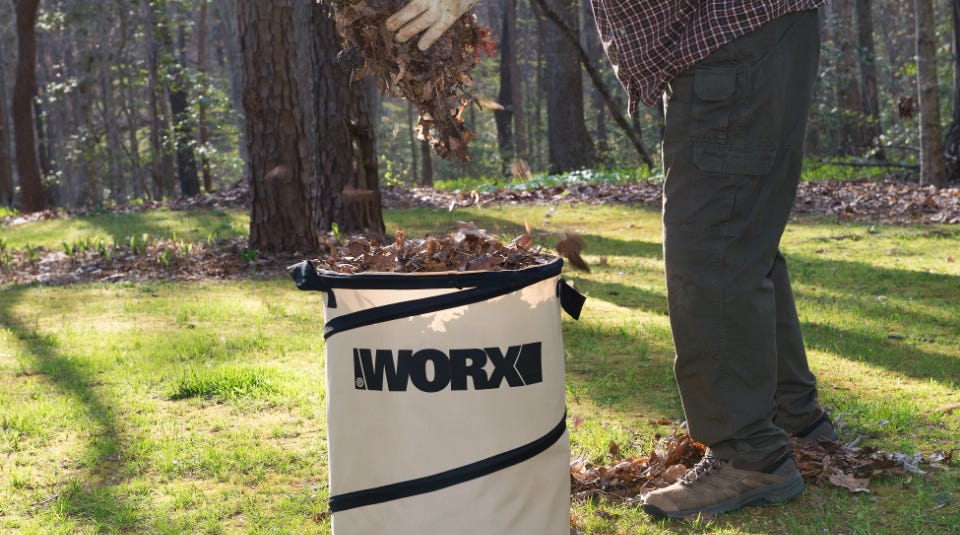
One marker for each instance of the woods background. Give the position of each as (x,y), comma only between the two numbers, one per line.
(150,99)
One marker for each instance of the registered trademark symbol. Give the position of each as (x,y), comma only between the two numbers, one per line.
(359,382)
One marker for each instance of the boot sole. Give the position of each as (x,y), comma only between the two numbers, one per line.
(770,495)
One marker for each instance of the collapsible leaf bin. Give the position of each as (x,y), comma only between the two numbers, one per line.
(445,401)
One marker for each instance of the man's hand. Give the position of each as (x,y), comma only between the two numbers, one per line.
(434,16)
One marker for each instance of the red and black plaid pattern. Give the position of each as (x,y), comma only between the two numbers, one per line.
(651,41)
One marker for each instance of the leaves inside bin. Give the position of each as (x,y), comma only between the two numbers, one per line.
(466,249)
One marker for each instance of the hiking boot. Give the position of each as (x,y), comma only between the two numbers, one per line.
(820,427)
(716,486)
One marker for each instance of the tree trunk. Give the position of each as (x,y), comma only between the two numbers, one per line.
(179,108)
(349,182)
(426,175)
(570,146)
(516,87)
(28,169)
(161,156)
(202,119)
(281,139)
(594,52)
(571,38)
(105,62)
(226,11)
(868,79)
(952,149)
(6,163)
(131,106)
(503,117)
(850,127)
(932,170)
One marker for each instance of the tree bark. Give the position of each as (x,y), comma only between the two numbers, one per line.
(282,144)
(850,128)
(932,169)
(179,108)
(28,168)
(6,163)
(868,79)
(161,157)
(349,181)
(504,117)
(952,144)
(621,121)
(202,119)
(426,174)
(570,147)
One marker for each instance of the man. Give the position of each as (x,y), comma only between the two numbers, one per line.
(737,78)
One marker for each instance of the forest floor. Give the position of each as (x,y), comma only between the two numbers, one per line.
(151,257)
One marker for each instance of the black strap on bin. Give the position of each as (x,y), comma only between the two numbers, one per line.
(481,287)
(423,485)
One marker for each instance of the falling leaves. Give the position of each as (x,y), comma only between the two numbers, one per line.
(570,246)
(437,81)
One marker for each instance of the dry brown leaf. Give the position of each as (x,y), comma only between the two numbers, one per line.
(577,421)
(570,246)
(849,482)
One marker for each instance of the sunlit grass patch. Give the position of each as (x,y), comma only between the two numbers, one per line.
(225,382)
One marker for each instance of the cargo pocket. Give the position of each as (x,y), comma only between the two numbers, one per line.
(714,88)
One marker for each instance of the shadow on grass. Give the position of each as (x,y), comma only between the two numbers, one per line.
(92,496)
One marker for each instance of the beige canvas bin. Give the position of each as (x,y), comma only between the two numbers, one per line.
(445,401)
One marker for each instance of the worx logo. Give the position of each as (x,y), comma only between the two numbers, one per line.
(432,370)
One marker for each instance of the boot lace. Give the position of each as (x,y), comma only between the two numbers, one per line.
(699,470)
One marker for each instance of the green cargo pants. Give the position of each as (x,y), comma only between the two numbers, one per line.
(732,153)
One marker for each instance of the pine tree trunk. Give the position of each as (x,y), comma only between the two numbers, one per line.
(6,163)
(868,79)
(426,175)
(520,144)
(850,128)
(202,119)
(282,144)
(105,64)
(349,182)
(570,146)
(179,109)
(952,148)
(932,170)
(28,169)
(504,117)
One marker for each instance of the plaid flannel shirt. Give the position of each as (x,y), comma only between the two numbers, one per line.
(649,42)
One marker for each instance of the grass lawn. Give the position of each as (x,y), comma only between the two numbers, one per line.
(199,408)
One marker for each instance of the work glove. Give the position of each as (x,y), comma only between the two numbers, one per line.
(434,16)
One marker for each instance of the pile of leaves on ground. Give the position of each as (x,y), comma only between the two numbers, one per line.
(141,259)
(436,81)
(888,202)
(821,462)
(468,248)
(235,196)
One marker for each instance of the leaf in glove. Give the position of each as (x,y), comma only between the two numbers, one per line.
(570,246)
(435,80)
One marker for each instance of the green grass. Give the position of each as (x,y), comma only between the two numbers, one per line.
(111,227)
(199,407)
